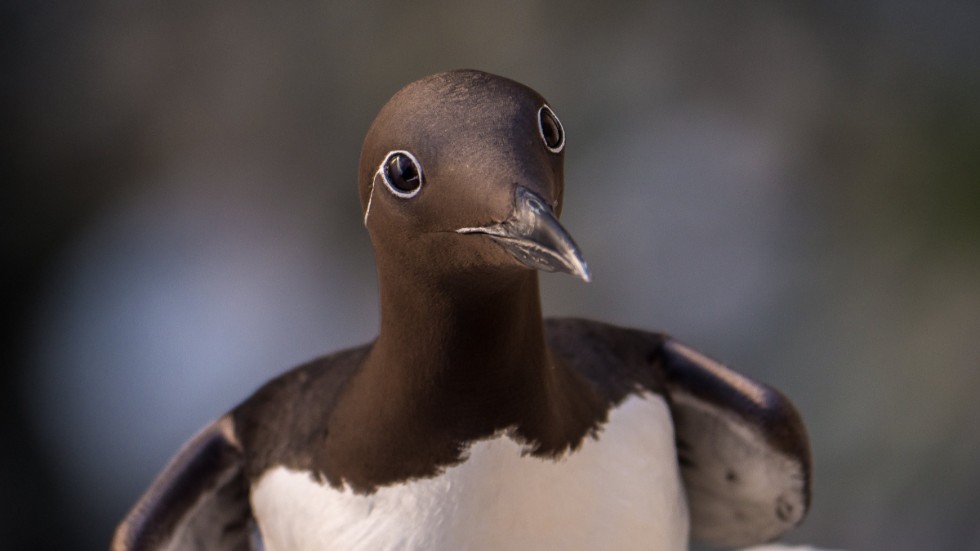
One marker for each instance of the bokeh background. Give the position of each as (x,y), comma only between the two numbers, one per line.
(791,187)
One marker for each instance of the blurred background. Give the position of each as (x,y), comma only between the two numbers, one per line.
(793,188)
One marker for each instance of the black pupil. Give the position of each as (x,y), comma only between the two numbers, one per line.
(402,173)
(550,129)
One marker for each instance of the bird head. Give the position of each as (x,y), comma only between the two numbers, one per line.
(463,171)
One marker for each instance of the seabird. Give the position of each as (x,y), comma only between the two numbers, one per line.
(471,422)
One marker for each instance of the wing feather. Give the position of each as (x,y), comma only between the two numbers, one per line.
(742,447)
(199,501)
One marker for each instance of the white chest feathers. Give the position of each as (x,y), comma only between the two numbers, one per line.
(622,491)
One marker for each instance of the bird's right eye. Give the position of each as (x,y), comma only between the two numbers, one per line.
(402,174)
(550,129)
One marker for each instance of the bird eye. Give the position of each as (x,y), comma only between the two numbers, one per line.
(402,174)
(551,130)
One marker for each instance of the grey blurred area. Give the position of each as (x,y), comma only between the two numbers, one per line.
(793,188)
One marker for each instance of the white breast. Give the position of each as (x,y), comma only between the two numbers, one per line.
(620,492)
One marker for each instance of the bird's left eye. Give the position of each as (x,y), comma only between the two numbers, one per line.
(550,128)
(402,174)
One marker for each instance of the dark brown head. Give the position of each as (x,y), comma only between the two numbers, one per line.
(462,171)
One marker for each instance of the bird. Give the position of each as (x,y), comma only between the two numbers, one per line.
(471,421)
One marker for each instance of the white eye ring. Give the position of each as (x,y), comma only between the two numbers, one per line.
(546,111)
(383,171)
(383,174)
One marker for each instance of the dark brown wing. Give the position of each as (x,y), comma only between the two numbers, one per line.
(199,501)
(743,450)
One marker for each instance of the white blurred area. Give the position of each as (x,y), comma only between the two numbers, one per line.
(782,189)
(175,306)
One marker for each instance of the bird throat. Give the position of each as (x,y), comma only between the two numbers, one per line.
(449,329)
(454,364)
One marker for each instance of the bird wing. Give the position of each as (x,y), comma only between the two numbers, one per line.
(199,501)
(742,447)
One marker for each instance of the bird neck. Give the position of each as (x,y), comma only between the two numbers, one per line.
(481,330)
(455,362)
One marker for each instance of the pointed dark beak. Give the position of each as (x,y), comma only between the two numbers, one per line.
(533,236)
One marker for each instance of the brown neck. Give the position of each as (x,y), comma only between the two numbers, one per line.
(461,342)
(455,362)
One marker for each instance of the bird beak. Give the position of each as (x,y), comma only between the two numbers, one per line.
(533,236)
